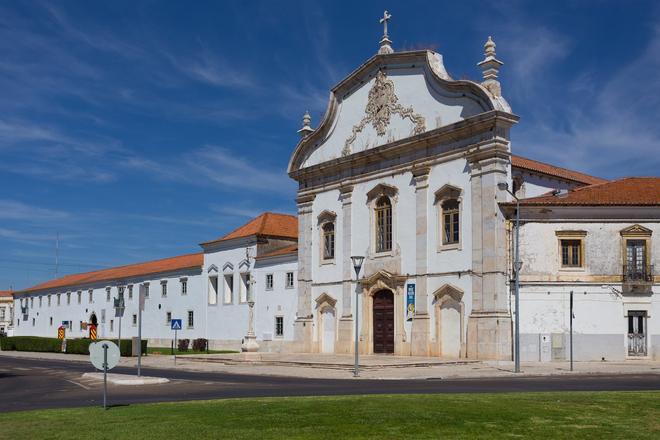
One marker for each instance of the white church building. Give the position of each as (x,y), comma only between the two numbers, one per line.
(410,169)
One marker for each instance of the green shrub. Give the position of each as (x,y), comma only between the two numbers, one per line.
(54,345)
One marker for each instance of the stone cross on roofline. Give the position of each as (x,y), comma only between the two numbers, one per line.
(385,42)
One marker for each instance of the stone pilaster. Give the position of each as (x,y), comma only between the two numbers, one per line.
(303,326)
(420,326)
(345,327)
(489,324)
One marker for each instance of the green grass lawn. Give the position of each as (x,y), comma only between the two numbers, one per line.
(168,350)
(603,415)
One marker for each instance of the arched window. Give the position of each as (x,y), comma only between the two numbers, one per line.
(383,215)
(451,224)
(329,241)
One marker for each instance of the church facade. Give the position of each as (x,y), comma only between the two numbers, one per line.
(413,171)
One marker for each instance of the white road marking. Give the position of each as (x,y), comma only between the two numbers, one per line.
(79,384)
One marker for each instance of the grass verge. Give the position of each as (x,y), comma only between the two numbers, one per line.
(528,415)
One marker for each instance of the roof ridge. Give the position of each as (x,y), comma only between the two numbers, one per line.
(568,170)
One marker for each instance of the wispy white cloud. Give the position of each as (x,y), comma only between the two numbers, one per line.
(15,210)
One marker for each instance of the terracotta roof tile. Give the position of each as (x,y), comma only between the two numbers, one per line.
(121,272)
(293,249)
(4,293)
(551,170)
(629,191)
(268,224)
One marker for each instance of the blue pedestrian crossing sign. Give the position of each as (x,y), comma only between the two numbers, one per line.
(176,324)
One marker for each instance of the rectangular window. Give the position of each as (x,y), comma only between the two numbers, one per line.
(163,289)
(2,314)
(120,291)
(68,298)
(91,296)
(112,325)
(107,294)
(40,300)
(228,287)
(33,322)
(58,299)
(636,256)
(191,319)
(279,326)
(450,222)
(51,321)
(269,281)
(134,320)
(146,290)
(244,293)
(49,301)
(79,296)
(289,280)
(130,292)
(184,286)
(32,303)
(571,253)
(328,241)
(168,318)
(213,290)
(383,213)
(102,316)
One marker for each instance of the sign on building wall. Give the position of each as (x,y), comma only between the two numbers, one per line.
(410,302)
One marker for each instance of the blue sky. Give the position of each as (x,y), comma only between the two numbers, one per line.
(136,130)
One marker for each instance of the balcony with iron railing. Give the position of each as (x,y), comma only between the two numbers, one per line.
(638,278)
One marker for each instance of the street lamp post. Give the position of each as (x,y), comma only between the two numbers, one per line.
(250,341)
(517,265)
(357,265)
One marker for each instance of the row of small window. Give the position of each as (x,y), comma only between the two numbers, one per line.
(450,227)
(168,320)
(572,253)
(244,287)
(108,293)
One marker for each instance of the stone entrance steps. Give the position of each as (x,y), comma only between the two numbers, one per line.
(332,363)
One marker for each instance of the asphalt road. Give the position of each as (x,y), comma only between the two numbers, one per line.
(32,384)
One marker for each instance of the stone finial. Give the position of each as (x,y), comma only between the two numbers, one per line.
(306,128)
(490,67)
(385,42)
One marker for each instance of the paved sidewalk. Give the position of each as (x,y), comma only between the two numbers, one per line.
(375,367)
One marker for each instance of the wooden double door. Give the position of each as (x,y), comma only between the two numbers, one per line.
(383,322)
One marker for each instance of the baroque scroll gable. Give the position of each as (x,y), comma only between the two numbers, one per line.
(381,105)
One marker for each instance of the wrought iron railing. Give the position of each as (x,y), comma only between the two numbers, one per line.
(638,273)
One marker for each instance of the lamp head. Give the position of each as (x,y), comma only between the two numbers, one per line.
(357,264)
(503,186)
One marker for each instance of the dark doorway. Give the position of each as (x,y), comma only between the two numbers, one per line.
(383,314)
(93,320)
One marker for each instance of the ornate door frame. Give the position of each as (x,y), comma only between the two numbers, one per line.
(382,280)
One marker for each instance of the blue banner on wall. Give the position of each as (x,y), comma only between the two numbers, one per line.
(410,302)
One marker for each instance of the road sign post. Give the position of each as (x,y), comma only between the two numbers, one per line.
(175,325)
(104,356)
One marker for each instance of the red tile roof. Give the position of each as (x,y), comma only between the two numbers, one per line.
(289,250)
(117,273)
(551,170)
(629,191)
(268,224)
(4,293)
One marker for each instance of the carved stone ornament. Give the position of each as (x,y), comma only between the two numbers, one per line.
(382,104)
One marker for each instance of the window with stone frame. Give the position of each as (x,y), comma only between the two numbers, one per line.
(168,318)
(269,281)
(451,222)
(328,232)
(184,286)
(79,296)
(107,294)
(191,319)
(289,280)
(163,288)
(383,226)
(571,253)
(130,291)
